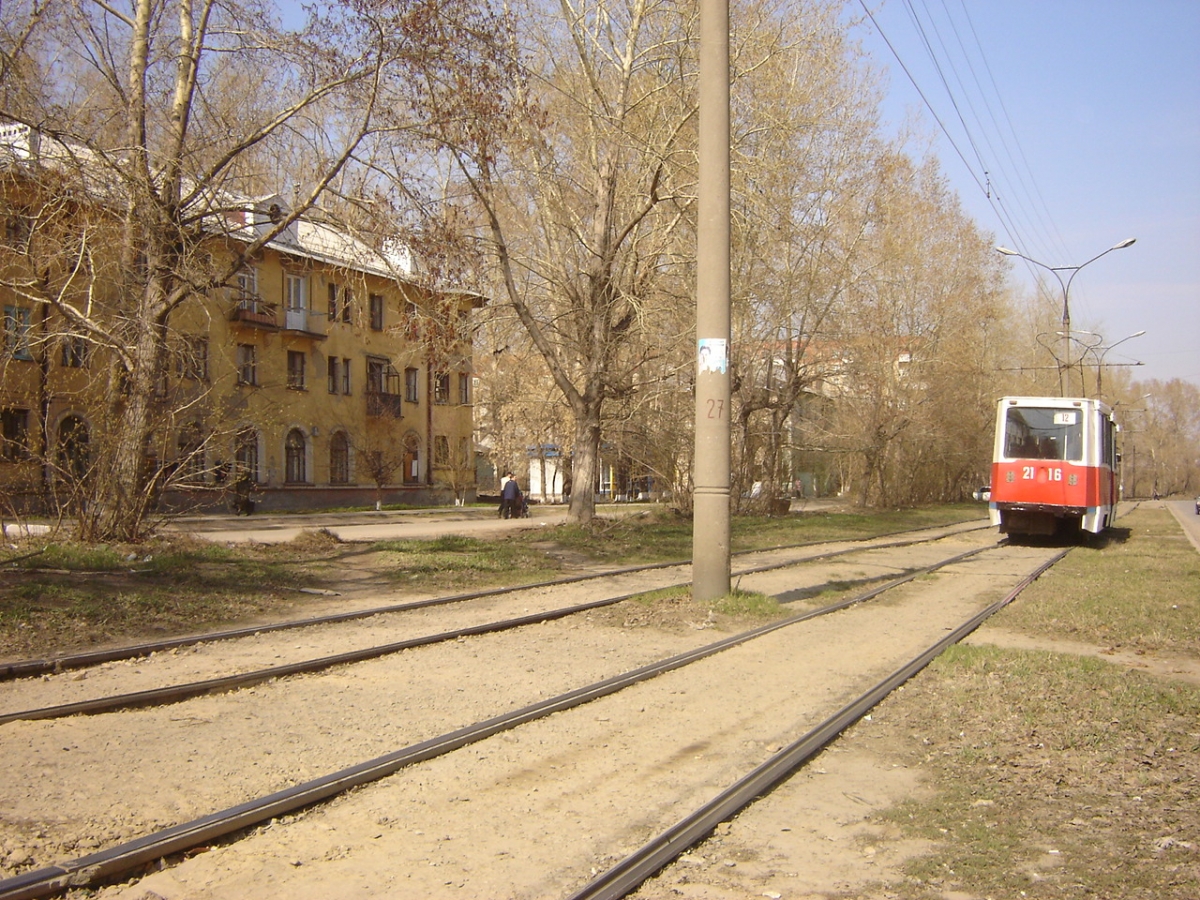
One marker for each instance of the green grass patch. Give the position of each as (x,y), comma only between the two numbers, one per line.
(749,605)
(659,535)
(1139,589)
(457,560)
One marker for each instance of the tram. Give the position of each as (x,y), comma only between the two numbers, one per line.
(1054,466)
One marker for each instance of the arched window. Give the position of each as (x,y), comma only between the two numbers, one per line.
(412,459)
(294,452)
(339,458)
(190,458)
(245,453)
(73,453)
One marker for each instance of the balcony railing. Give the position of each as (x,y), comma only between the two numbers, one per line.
(253,311)
(301,322)
(385,405)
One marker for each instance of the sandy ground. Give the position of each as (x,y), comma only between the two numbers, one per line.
(528,814)
(532,813)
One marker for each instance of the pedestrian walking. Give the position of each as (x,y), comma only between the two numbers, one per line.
(510,498)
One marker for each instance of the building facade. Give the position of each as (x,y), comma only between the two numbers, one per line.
(327,374)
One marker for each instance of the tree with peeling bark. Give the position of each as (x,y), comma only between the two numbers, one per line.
(166,118)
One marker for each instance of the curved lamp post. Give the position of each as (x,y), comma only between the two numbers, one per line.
(1066,290)
(1100,361)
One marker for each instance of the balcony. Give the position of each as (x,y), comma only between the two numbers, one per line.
(385,405)
(300,322)
(252,311)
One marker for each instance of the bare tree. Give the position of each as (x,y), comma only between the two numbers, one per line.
(804,144)
(577,203)
(923,341)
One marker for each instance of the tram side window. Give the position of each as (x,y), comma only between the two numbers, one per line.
(1037,433)
(1107,442)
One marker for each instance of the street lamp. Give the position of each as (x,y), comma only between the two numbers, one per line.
(1100,361)
(1066,290)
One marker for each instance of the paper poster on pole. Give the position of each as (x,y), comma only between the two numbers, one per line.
(712,355)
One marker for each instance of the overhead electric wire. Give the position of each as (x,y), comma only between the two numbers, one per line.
(1002,176)
(1002,157)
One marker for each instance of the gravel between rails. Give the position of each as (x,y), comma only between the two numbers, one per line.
(83,783)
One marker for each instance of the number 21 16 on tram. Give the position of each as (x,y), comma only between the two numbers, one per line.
(1054,466)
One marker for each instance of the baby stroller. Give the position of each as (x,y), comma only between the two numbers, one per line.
(522,510)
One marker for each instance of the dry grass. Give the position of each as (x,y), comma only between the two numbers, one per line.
(1057,775)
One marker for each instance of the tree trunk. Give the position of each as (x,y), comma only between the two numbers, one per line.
(585,466)
(122,496)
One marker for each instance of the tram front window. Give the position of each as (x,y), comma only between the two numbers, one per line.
(1038,433)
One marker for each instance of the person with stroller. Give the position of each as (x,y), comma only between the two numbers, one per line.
(511,500)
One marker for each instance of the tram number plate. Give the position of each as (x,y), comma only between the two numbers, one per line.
(1029,473)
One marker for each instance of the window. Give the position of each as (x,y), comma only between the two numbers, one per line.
(381,377)
(247,364)
(295,291)
(340,301)
(412,459)
(337,373)
(17,230)
(74,352)
(295,369)
(412,385)
(1043,433)
(245,454)
(190,458)
(464,452)
(412,319)
(193,359)
(294,455)
(14,434)
(16,332)
(333,373)
(441,388)
(245,283)
(464,388)
(441,450)
(376,304)
(339,458)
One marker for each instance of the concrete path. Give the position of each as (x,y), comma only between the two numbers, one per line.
(423,524)
(1185,512)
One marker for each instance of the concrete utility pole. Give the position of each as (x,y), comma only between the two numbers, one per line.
(710,533)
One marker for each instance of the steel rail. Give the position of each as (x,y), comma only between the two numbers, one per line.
(124,858)
(32,667)
(176,693)
(652,857)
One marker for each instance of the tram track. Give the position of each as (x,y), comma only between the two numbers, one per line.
(178,692)
(29,668)
(120,859)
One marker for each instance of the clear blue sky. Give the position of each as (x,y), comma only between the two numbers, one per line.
(1086,115)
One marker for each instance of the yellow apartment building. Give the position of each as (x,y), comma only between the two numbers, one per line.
(327,375)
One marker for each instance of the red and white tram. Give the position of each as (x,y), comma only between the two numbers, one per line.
(1054,467)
